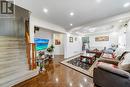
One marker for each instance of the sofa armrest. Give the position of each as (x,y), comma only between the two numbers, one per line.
(114,70)
(110,61)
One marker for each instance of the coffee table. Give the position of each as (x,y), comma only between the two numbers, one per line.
(98,53)
(89,56)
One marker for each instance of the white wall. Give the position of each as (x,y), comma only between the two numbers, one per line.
(127,59)
(113,39)
(74,48)
(24,3)
(128,37)
(117,37)
(122,39)
(100,44)
(51,36)
(40,23)
(59,49)
(35,21)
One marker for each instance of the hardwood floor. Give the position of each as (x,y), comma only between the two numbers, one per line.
(58,75)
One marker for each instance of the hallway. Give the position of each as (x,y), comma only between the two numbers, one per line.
(58,75)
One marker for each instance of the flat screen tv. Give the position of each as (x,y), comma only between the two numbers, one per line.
(41,44)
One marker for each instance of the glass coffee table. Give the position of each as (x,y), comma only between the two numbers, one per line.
(90,57)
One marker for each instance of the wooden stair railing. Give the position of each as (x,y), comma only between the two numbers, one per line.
(31,53)
(31,56)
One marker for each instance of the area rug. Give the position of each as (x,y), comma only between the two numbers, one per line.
(79,66)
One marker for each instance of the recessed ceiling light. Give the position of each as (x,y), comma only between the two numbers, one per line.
(81,85)
(120,20)
(98,1)
(126,5)
(68,34)
(71,24)
(70,84)
(57,80)
(85,79)
(78,33)
(71,13)
(45,10)
(92,30)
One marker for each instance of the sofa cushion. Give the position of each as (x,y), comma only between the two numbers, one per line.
(125,63)
(106,64)
(109,61)
(125,67)
(122,55)
(114,70)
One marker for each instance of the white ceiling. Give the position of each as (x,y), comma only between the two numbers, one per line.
(105,27)
(86,11)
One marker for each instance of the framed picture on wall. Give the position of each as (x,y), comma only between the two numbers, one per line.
(102,38)
(57,42)
(71,39)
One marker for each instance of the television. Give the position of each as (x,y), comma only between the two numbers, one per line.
(41,44)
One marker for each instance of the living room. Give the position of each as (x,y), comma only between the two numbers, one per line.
(107,41)
(65,44)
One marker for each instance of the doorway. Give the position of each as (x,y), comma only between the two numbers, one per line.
(52,38)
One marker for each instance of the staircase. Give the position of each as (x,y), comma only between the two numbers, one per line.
(13,63)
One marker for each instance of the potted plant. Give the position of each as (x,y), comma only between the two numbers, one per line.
(41,53)
(40,61)
(50,49)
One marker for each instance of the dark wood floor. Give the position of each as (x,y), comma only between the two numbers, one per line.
(58,75)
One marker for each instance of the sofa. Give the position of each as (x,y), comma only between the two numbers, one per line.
(105,76)
(112,73)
